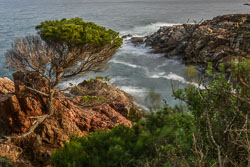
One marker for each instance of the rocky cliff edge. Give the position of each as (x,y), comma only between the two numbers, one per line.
(89,106)
(220,40)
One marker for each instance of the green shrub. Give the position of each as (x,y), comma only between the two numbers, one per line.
(106,78)
(221,116)
(124,146)
(99,77)
(213,132)
(5,162)
(92,100)
(133,115)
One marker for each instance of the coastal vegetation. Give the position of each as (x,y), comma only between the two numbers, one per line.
(220,40)
(212,130)
(5,162)
(61,50)
(64,48)
(94,124)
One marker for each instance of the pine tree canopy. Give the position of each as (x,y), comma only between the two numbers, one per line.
(75,31)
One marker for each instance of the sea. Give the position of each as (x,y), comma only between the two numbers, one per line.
(133,69)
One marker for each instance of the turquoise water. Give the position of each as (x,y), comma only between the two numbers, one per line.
(132,69)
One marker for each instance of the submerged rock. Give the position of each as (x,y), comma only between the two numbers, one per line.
(127,36)
(19,108)
(137,40)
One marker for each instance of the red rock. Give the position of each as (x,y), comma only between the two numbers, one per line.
(69,117)
(6,86)
(31,103)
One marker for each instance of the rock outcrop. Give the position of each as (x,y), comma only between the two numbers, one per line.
(20,107)
(222,39)
(137,40)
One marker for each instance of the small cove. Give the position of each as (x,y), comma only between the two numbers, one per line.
(133,68)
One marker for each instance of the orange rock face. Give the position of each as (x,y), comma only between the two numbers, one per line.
(6,86)
(19,107)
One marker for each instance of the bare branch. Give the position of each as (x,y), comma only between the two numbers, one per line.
(37,91)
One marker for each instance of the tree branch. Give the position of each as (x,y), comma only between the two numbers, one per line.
(37,91)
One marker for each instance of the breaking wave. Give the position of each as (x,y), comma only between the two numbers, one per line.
(126,64)
(133,90)
(145,30)
(175,77)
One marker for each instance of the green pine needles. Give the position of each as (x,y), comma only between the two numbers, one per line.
(78,32)
(62,49)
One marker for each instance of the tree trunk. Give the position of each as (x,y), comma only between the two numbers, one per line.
(50,103)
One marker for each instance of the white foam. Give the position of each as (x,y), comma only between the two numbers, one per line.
(138,91)
(69,93)
(132,49)
(175,77)
(146,30)
(117,78)
(129,49)
(74,81)
(181,79)
(168,62)
(143,107)
(125,63)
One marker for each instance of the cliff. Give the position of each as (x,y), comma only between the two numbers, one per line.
(89,106)
(222,39)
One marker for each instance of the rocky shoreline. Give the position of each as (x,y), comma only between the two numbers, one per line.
(220,40)
(95,104)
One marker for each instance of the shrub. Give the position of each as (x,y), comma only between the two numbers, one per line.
(213,132)
(124,146)
(5,162)
(221,117)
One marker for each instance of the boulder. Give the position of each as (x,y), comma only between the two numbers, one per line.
(137,40)
(6,86)
(72,116)
(127,36)
(213,40)
(171,40)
